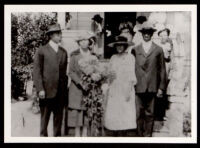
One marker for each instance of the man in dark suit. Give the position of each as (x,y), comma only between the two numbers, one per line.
(50,79)
(151,76)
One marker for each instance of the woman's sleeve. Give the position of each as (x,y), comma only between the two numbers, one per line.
(130,74)
(110,69)
(110,64)
(131,68)
(73,72)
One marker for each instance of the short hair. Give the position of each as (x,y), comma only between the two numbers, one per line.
(166,29)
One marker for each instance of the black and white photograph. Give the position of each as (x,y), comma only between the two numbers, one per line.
(92,73)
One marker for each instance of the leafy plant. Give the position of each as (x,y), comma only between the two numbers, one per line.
(28,33)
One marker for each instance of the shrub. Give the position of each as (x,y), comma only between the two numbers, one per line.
(28,33)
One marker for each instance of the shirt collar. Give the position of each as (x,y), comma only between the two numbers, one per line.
(146,45)
(53,45)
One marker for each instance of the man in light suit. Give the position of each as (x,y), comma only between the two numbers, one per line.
(49,75)
(151,76)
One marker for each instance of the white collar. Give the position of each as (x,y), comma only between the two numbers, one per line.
(53,45)
(146,45)
(85,53)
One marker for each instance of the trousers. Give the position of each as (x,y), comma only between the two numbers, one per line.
(47,106)
(145,113)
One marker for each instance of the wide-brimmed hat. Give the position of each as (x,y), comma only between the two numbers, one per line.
(97,18)
(54,28)
(86,35)
(147,26)
(120,40)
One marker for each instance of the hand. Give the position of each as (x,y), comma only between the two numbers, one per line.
(83,87)
(42,94)
(160,93)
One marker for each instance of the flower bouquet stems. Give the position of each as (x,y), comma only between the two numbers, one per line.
(93,102)
(94,74)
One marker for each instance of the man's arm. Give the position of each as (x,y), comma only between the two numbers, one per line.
(38,70)
(162,70)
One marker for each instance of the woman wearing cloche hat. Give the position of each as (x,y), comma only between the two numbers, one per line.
(77,89)
(86,36)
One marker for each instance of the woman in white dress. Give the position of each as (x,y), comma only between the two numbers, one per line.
(120,110)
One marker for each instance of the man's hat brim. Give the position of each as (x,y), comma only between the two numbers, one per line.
(147,29)
(56,30)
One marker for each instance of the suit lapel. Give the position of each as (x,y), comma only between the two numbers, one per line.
(58,54)
(51,49)
(151,50)
(141,51)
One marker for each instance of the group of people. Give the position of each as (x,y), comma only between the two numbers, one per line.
(138,75)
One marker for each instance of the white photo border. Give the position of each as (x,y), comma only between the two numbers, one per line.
(8,9)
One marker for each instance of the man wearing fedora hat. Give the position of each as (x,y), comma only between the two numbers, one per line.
(151,76)
(49,75)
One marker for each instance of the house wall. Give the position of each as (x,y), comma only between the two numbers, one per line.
(80,21)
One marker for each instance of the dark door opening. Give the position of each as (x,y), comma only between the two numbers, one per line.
(112,22)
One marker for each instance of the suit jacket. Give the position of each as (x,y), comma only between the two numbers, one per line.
(49,72)
(150,69)
(75,92)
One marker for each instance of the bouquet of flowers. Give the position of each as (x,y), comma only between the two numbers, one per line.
(93,76)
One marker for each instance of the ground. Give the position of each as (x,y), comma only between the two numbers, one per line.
(26,124)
